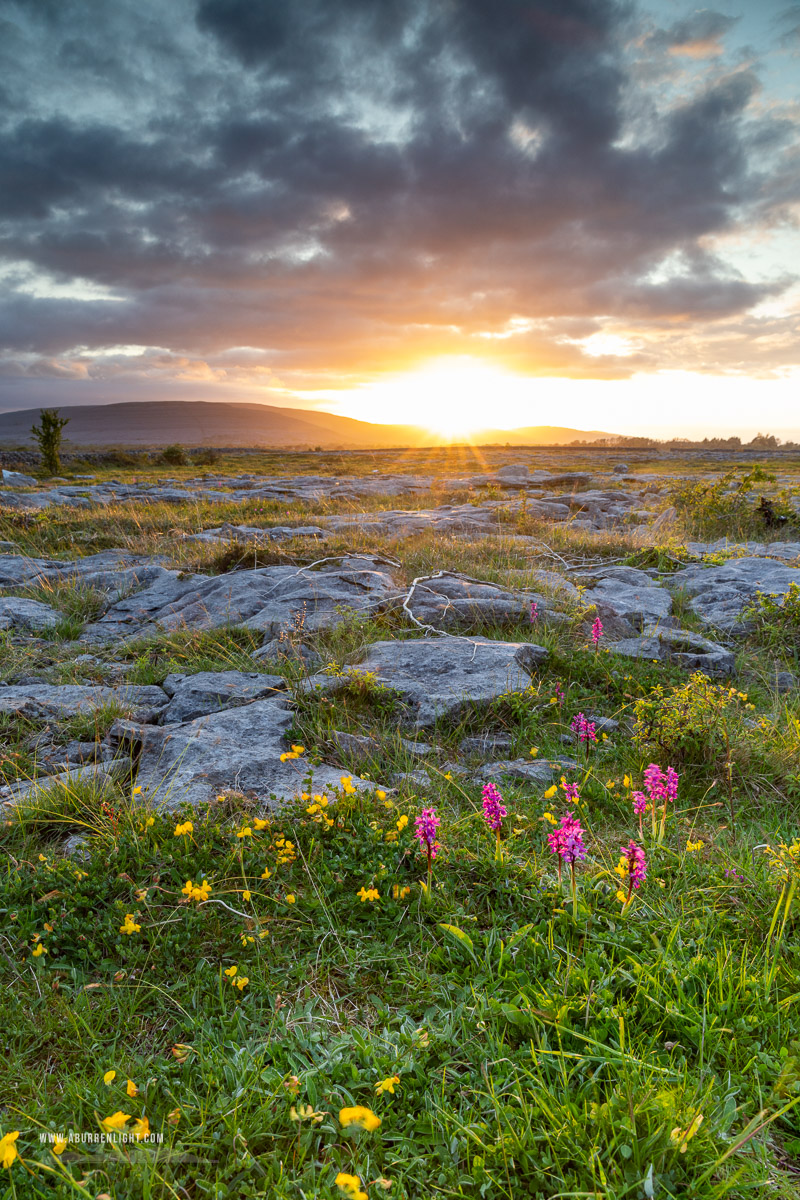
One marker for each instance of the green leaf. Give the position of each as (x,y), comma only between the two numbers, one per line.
(460,936)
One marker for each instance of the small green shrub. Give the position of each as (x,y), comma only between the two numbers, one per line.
(174,456)
(48,435)
(776,620)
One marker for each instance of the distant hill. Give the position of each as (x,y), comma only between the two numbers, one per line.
(209,423)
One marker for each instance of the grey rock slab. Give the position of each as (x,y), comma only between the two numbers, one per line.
(453,600)
(682,647)
(719,594)
(19,613)
(438,677)
(641,604)
(238,748)
(209,691)
(256,534)
(527,770)
(17,479)
(54,701)
(113,569)
(489,744)
(268,598)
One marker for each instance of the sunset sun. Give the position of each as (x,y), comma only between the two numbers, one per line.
(452,397)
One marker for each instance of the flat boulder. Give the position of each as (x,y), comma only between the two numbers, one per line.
(679,646)
(238,748)
(16,612)
(524,770)
(210,691)
(45,700)
(438,677)
(631,595)
(269,599)
(719,594)
(17,479)
(451,600)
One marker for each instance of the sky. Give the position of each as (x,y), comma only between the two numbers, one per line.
(457,213)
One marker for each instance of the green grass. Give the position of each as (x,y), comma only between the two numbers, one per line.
(538,1052)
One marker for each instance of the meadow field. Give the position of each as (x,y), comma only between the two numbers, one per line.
(451,971)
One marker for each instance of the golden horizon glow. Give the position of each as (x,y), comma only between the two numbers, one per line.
(454,397)
(449,396)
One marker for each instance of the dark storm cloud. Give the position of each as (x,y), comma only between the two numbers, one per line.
(348,185)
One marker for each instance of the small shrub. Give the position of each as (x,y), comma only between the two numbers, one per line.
(174,456)
(48,435)
(776,620)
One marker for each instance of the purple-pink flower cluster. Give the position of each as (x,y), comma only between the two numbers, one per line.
(635,864)
(559,696)
(639,803)
(571,790)
(661,785)
(566,840)
(493,807)
(534,611)
(597,631)
(586,731)
(426,825)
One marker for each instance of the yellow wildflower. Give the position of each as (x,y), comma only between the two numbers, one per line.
(109,1077)
(181,1051)
(387,1085)
(351,1186)
(380,795)
(359,1115)
(692,846)
(245,895)
(39,951)
(141,1128)
(290,899)
(174,1116)
(129,925)
(136,790)
(622,897)
(534,750)
(261,823)
(401,823)
(8,1151)
(180,830)
(245,832)
(116,1121)
(149,822)
(48,927)
(131,1088)
(59,1145)
(193,892)
(266,873)
(548,816)
(368,894)
(400,893)
(298,749)
(626,781)
(141,894)
(241,983)
(231,971)
(551,791)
